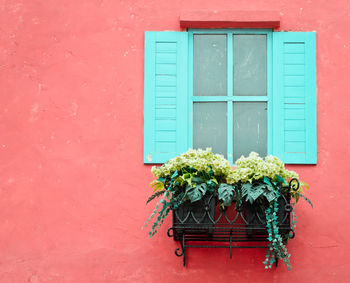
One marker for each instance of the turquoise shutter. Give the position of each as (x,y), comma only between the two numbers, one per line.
(165,95)
(294,97)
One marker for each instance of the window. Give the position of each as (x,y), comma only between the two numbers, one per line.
(233,90)
(229,97)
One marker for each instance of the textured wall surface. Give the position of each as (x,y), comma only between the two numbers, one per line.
(72,182)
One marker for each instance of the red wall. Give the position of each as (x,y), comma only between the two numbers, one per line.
(72,182)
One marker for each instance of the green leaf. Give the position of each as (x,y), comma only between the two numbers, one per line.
(157,194)
(202,188)
(256,193)
(197,180)
(211,185)
(226,194)
(305,198)
(252,193)
(303,187)
(270,196)
(259,186)
(250,199)
(176,174)
(157,185)
(187,175)
(187,178)
(246,187)
(196,193)
(281,180)
(267,181)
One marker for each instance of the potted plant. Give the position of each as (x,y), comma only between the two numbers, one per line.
(269,192)
(194,183)
(188,184)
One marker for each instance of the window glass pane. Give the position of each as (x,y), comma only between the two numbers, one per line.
(249,60)
(249,128)
(210,126)
(209,64)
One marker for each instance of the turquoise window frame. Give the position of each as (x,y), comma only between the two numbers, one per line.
(230,98)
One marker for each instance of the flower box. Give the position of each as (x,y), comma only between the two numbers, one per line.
(256,218)
(212,202)
(195,218)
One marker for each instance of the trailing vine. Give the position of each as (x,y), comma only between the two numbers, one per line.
(276,248)
(294,218)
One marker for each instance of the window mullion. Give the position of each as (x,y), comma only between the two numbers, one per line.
(269,94)
(190,89)
(210,98)
(250,98)
(229,94)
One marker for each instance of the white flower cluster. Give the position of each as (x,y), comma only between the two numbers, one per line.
(248,168)
(254,167)
(198,159)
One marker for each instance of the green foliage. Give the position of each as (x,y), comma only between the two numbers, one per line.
(280,180)
(226,193)
(187,177)
(157,185)
(305,198)
(276,249)
(196,173)
(162,214)
(197,192)
(259,189)
(296,194)
(269,190)
(156,194)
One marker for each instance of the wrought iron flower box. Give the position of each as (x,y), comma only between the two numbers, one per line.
(205,224)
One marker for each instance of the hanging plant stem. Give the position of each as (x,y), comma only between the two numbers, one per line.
(276,248)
